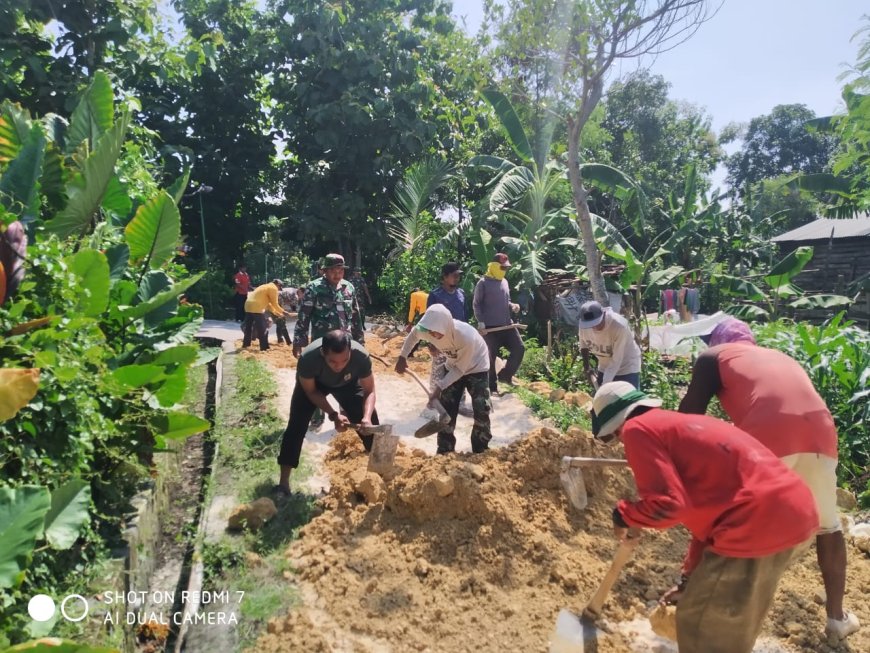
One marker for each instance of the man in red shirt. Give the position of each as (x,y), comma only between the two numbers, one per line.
(242,284)
(747,512)
(768,395)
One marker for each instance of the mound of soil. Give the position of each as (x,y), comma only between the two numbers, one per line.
(281,356)
(479,552)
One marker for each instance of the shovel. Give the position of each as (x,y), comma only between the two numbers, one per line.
(433,425)
(572,632)
(571,477)
(384,445)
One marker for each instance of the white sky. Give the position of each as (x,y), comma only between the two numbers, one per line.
(753,55)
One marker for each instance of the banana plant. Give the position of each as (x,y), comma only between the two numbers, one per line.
(758,303)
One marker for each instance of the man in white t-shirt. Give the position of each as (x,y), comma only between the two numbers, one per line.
(608,336)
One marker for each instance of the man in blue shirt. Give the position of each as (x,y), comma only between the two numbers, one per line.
(452,297)
(449,294)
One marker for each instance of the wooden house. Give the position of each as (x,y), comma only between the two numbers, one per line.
(841,260)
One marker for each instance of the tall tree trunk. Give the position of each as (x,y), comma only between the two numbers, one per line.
(584,220)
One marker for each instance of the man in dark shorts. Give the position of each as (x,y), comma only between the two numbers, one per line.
(333,365)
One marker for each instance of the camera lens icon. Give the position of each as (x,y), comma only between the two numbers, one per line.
(74,607)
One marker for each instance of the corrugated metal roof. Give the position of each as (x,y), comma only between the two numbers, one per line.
(822,229)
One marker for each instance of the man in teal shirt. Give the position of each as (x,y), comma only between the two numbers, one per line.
(333,365)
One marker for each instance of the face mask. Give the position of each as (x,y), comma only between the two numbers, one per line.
(494,270)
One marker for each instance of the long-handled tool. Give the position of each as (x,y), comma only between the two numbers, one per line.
(571,632)
(514,325)
(571,477)
(433,425)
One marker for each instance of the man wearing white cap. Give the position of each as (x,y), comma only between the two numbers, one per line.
(608,336)
(747,512)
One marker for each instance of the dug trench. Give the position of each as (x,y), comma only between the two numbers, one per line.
(480,552)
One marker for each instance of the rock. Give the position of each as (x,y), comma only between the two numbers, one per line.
(478,473)
(557,394)
(663,620)
(794,628)
(368,484)
(846,500)
(820,597)
(444,485)
(421,568)
(252,559)
(252,515)
(651,594)
(861,536)
(540,387)
(418,453)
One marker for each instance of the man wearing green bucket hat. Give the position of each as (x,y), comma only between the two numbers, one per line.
(747,512)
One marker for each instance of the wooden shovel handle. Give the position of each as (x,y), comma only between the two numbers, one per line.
(623,554)
(417,379)
(573,461)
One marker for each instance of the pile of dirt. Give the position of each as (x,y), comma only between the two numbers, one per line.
(479,552)
(281,356)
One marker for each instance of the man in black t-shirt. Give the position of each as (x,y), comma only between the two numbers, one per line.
(333,365)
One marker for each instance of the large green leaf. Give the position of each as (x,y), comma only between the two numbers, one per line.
(820,301)
(53,175)
(491,162)
(153,283)
(176,190)
(154,231)
(22,515)
(161,298)
(608,238)
(15,128)
(68,513)
(177,426)
(480,241)
(183,354)
(660,278)
(511,123)
(92,269)
(118,257)
(94,114)
(789,267)
(747,312)
(86,191)
(171,391)
(737,286)
(117,201)
(136,376)
(19,185)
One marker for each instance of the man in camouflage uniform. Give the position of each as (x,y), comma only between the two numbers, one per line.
(329,303)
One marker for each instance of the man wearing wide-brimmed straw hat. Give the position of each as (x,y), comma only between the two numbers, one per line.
(747,512)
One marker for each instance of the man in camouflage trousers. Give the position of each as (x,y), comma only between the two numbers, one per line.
(467,363)
(329,303)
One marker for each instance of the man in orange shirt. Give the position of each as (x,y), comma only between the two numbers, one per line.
(769,395)
(242,284)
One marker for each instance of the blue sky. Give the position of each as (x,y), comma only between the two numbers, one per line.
(753,55)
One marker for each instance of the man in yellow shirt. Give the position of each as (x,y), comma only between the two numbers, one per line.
(263,298)
(418,307)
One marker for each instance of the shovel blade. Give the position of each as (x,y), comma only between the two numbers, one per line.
(568,636)
(383,453)
(574,486)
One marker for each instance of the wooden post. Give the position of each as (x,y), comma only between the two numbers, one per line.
(549,339)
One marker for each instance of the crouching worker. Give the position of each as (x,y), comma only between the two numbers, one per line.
(467,364)
(747,512)
(333,365)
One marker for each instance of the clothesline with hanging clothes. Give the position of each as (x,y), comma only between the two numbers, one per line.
(684,300)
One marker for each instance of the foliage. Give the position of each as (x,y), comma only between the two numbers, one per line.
(665,378)
(413,201)
(107,397)
(414,268)
(780,292)
(560,413)
(836,355)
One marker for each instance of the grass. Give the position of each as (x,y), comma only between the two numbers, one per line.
(248,430)
(560,413)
